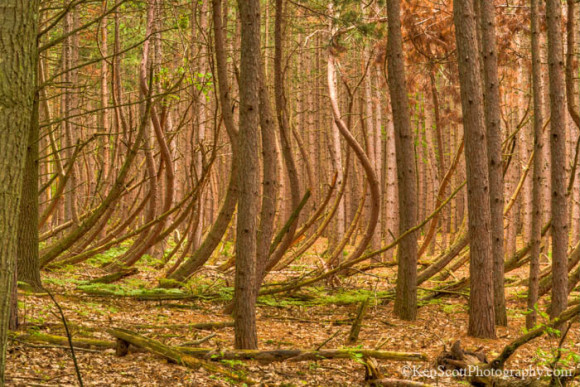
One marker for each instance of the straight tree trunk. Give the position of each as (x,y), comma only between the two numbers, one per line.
(391,189)
(557,158)
(248,177)
(18,68)
(27,252)
(406,291)
(494,154)
(537,188)
(571,69)
(481,304)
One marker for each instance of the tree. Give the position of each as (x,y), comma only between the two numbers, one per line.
(494,153)
(248,177)
(537,188)
(557,158)
(481,304)
(28,266)
(18,29)
(406,298)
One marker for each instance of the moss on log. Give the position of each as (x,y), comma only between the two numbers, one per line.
(80,342)
(300,354)
(175,355)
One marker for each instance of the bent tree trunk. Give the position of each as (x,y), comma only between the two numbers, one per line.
(228,207)
(18,28)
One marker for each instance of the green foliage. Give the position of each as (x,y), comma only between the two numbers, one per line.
(232,363)
(567,357)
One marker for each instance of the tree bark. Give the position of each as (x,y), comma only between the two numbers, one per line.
(494,154)
(248,178)
(537,188)
(557,157)
(27,251)
(406,299)
(18,68)
(481,304)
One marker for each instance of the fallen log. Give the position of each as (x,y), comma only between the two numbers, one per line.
(114,277)
(80,342)
(201,326)
(174,355)
(299,354)
(568,314)
(374,377)
(388,382)
(480,371)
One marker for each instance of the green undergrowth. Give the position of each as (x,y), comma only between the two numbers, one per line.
(108,256)
(322,296)
(132,288)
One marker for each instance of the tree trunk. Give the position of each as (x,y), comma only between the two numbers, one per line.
(227,209)
(27,252)
(494,154)
(18,68)
(557,157)
(537,188)
(406,299)
(248,178)
(481,304)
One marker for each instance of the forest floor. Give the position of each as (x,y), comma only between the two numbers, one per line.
(305,320)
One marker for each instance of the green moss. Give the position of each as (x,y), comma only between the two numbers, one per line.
(170,283)
(107,256)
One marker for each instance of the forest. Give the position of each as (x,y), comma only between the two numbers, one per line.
(290,193)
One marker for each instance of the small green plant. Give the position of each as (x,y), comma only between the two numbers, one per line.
(232,363)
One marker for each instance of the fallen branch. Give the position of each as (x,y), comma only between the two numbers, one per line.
(300,354)
(78,342)
(568,314)
(388,382)
(173,354)
(360,314)
(206,326)
(114,277)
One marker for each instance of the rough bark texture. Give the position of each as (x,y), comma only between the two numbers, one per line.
(537,189)
(18,28)
(248,177)
(494,154)
(481,307)
(27,251)
(406,300)
(558,157)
